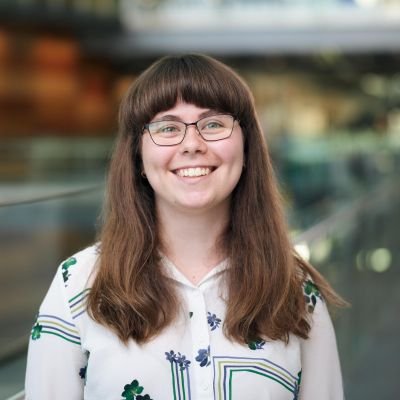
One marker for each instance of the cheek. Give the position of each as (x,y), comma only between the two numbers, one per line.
(150,163)
(238,160)
(235,153)
(155,158)
(148,154)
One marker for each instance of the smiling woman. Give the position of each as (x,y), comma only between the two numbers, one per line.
(193,289)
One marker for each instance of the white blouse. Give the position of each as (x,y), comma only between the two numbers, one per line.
(73,357)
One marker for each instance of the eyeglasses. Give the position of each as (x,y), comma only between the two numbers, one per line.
(171,133)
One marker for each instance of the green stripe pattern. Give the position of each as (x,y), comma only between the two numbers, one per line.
(228,370)
(47,324)
(77,304)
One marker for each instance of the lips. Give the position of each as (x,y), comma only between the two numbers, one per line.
(194,171)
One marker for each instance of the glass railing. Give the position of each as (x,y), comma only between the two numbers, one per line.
(36,234)
(321,175)
(357,249)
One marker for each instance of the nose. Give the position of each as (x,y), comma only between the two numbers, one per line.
(193,142)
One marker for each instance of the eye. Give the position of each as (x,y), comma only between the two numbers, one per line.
(213,125)
(168,129)
(165,128)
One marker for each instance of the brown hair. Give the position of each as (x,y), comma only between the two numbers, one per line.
(264,280)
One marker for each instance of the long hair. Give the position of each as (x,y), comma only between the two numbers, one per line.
(130,293)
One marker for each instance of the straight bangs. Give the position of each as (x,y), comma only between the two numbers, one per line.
(201,81)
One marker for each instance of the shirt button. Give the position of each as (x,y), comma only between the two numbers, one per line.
(205,386)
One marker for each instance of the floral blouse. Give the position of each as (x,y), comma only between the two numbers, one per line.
(73,357)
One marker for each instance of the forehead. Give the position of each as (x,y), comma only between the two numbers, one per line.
(183,110)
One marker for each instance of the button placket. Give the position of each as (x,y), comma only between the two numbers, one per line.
(201,341)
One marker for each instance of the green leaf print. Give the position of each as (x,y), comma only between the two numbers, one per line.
(311,288)
(132,390)
(297,386)
(256,344)
(145,397)
(36,330)
(311,293)
(69,263)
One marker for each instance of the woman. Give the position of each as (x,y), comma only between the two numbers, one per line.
(194,290)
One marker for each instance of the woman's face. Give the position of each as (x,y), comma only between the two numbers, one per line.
(195,175)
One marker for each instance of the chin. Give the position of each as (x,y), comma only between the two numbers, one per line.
(195,206)
(202,205)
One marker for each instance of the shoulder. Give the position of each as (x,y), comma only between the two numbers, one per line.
(78,271)
(319,346)
(312,294)
(65,300)
(310,280)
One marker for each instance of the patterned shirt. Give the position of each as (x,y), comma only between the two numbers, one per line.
(73,357)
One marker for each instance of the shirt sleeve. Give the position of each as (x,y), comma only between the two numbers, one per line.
(56,364)
(321,374)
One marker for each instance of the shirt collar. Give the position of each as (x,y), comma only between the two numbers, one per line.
(174,273)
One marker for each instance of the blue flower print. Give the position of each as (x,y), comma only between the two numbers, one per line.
(171,356)
(82,372)
(178,358)
(182,362)
(204,357)
(213,321)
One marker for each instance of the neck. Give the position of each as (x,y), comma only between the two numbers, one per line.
(190,240)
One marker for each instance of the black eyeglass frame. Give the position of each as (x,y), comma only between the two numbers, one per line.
(146,127)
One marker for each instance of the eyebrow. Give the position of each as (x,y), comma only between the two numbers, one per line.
(171,117)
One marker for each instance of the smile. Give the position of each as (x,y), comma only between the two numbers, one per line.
(192,172)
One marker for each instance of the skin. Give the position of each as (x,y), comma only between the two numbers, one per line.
(193,211)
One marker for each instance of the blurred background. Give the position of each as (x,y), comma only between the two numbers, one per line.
(326,78)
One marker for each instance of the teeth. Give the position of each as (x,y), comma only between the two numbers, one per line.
(193,171)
